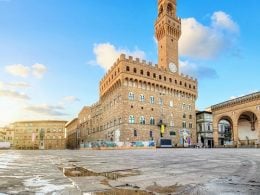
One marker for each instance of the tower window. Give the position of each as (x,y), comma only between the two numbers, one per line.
(170,9)
(154,75)
(134,70)
(160,10)
(141,72)
(160,77)
(148,74)
(127,68)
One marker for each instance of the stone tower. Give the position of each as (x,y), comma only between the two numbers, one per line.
(168,32)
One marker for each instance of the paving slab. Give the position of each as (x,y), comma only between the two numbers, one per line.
(161,171)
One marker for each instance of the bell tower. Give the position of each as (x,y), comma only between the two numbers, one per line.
(168,32)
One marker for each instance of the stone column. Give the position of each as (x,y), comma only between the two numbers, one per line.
(215,135)
(257,144)
(235,136)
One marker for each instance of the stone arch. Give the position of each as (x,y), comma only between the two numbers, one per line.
(160,10)
(170,8)
(225,129)
(248,127)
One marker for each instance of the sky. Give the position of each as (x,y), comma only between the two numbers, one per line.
(54,53)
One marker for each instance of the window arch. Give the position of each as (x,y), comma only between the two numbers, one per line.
(141,98)
(160,10)
(169,8)
(142,120)
(131,96)
(131,119)
(152,121)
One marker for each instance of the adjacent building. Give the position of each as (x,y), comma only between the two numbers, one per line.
(236,122)
(72,134)
(205,129)
(42,134)
(141,101)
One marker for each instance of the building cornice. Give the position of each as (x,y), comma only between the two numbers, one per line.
(237,101)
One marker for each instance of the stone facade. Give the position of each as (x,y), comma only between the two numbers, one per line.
(243,114)
(205,128)
(7,135)
(141,101)
(44,134)
(72,134)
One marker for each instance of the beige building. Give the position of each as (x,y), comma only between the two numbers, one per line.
(141,101)
(6,135)
(43,134)
(72,134)
(236,122)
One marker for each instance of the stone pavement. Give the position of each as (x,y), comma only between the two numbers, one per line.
(154,171)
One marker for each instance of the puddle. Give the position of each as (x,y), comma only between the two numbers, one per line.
(165,189)
(75,171)
(122,191)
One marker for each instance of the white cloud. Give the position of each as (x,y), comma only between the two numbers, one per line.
(18,70)
(200,41)
(221,20)
(197,71)
(13,94)
(107,54)
(38,70)
(17,84)
(70,99)
(45,109)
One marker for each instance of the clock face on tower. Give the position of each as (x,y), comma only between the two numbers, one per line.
(172,67)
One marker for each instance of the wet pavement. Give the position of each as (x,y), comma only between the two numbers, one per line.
(152,171)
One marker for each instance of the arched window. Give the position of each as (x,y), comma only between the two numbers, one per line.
(142,120)
(127,68)
(152,121)
(169,9)
(151,99)
(131,119)
(160,10)
(131,96)
(141,98)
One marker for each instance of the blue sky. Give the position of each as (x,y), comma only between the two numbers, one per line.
(53,53)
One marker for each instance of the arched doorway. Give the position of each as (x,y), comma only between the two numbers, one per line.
(225,131)
(247,128)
